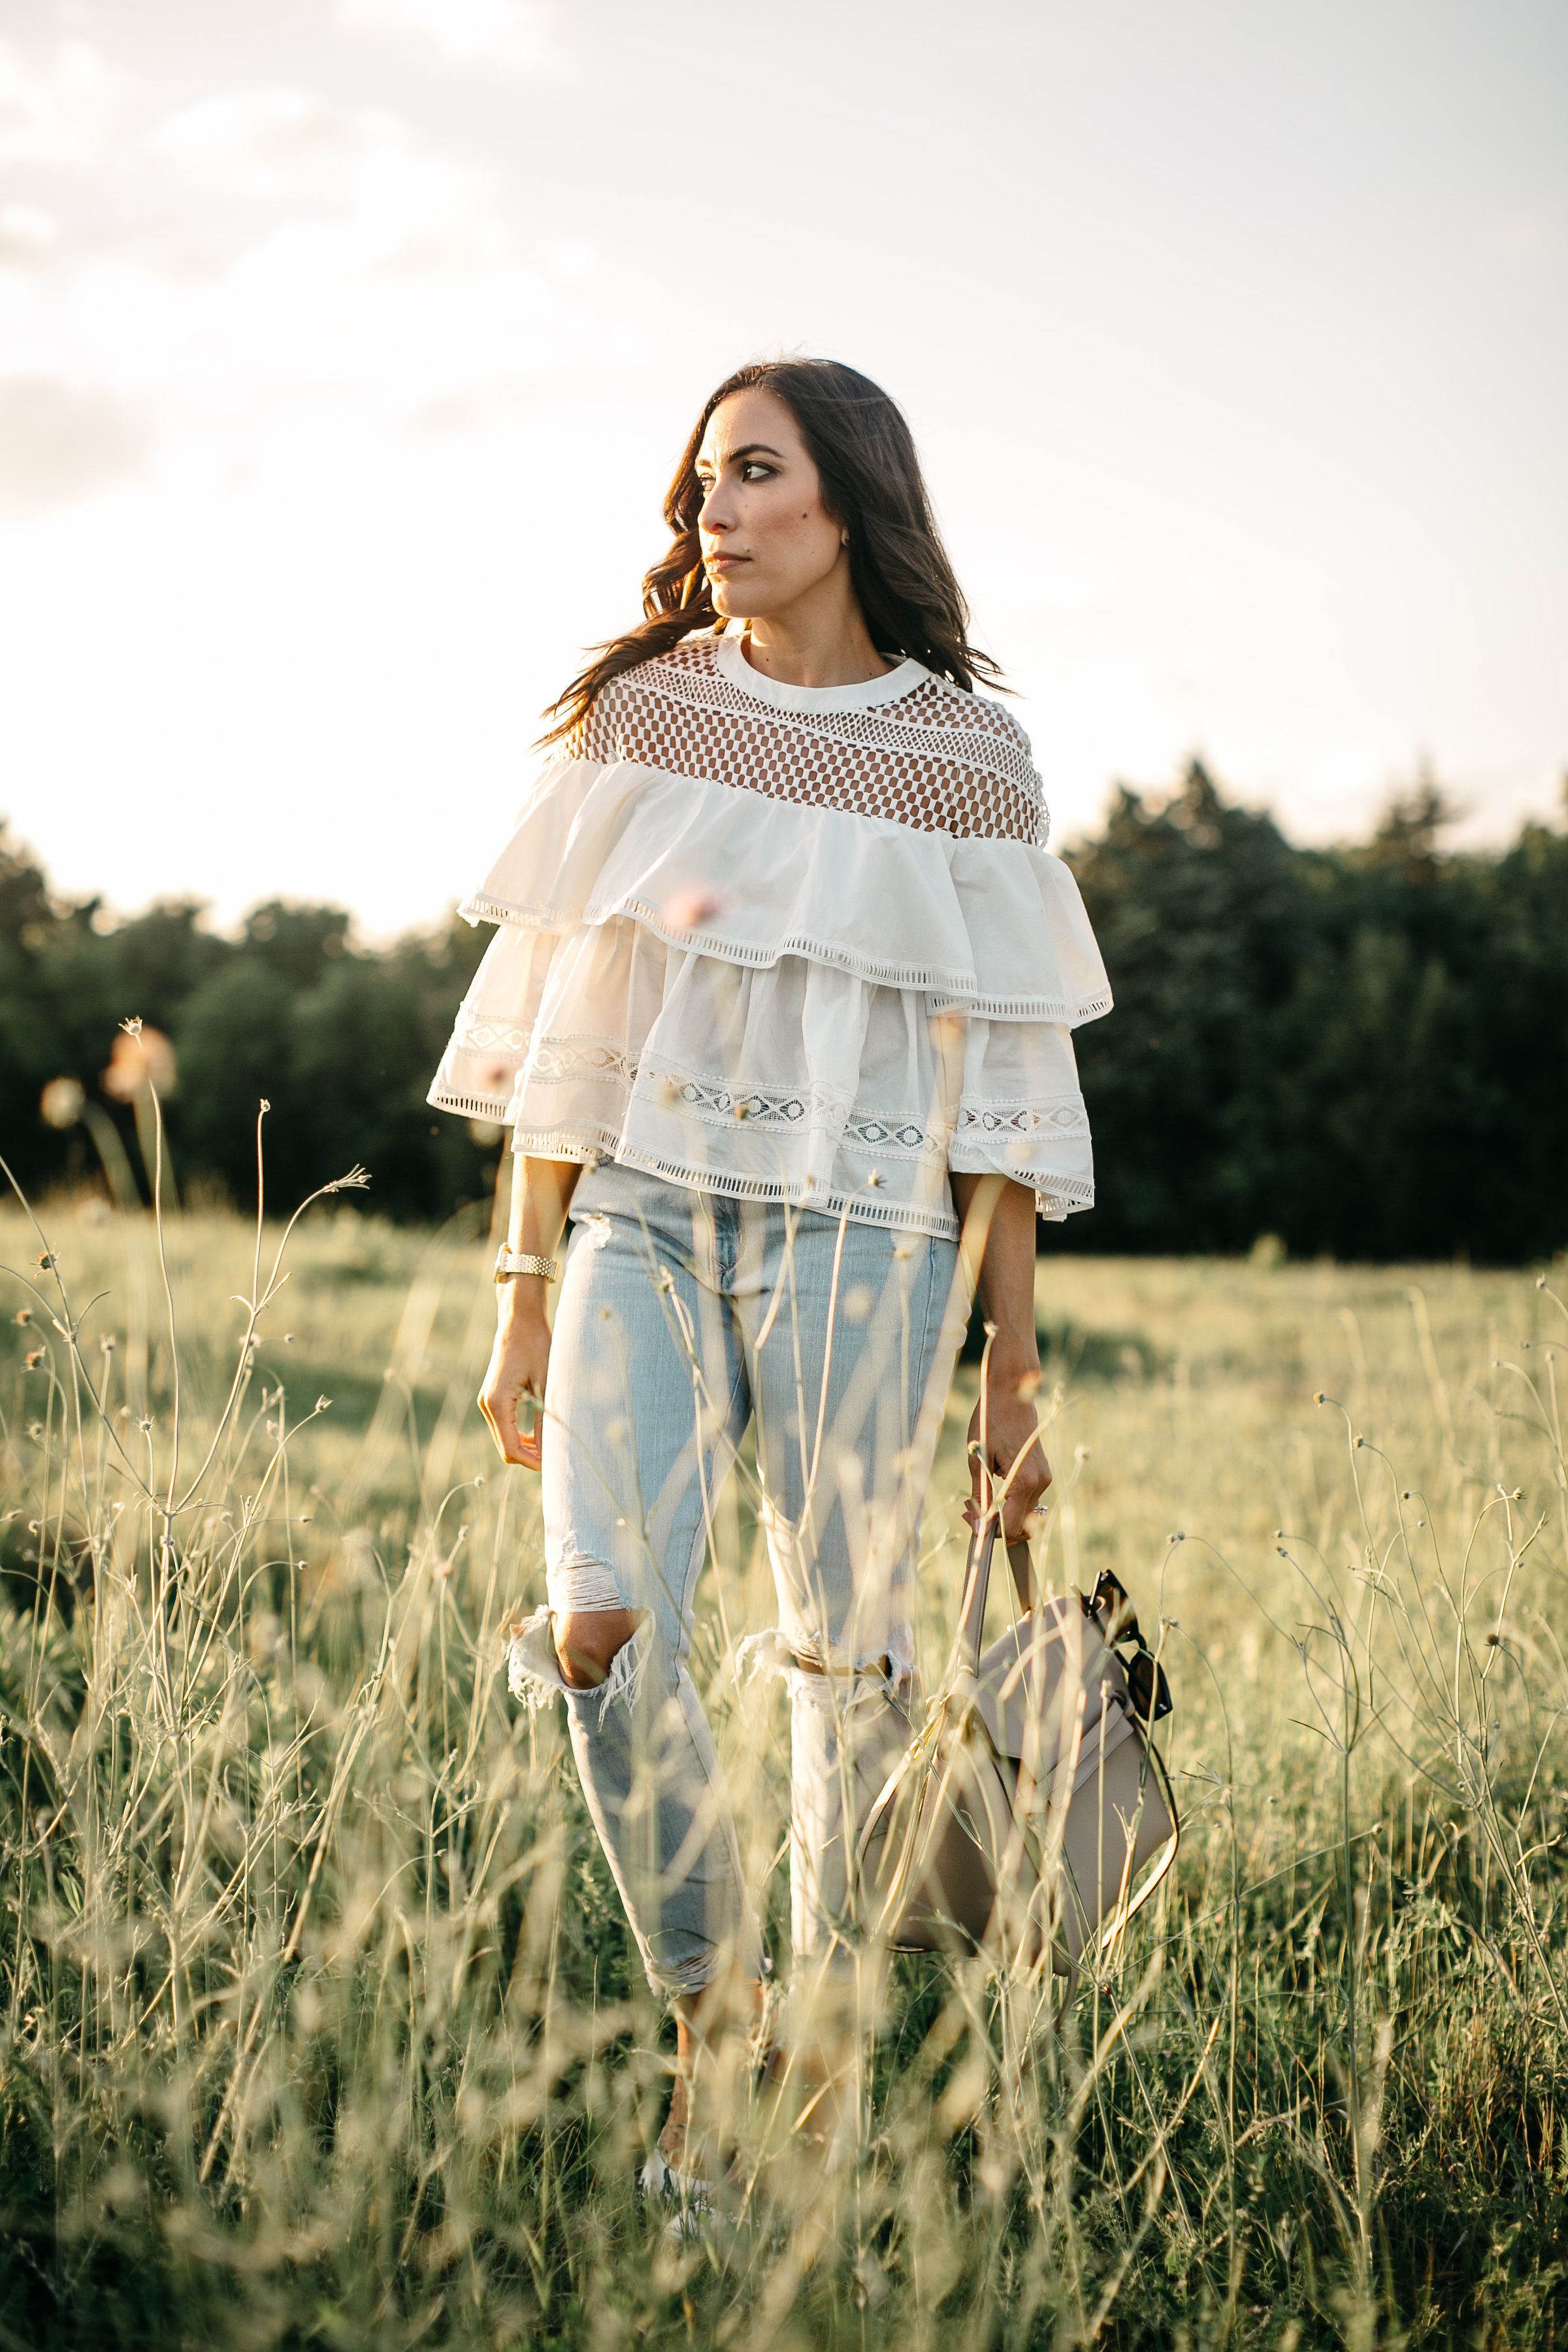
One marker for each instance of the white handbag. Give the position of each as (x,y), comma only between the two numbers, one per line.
(1031,1814)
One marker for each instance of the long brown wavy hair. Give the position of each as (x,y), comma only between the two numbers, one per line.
(871,486)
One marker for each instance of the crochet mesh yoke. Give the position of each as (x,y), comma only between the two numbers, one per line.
(936,758)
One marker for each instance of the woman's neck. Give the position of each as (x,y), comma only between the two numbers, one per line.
(827,644)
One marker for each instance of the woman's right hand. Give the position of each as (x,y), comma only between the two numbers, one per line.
(519,1365)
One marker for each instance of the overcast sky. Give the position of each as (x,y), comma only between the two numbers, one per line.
(346,346)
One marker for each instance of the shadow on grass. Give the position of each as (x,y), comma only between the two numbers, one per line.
(1069,1352)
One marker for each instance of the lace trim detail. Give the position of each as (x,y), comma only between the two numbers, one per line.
(907,1139)
(1065,1117)
(715,1101)
(934,759)
(556,1061)
(822,1108)
(476,1034)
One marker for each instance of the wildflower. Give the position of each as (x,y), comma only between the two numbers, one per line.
(322,1403)
(142,1063)
(47,1261)
(24,1314)
(32,1359)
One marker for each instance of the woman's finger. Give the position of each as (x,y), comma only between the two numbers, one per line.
(499,1407)
(501,1414)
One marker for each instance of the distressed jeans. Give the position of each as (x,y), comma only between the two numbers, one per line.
(685,1317)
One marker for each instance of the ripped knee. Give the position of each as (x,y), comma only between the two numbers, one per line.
(588,1641)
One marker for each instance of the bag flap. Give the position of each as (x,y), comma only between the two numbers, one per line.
(1028,1683)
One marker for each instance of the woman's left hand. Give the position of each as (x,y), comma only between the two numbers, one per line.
(1011,1444)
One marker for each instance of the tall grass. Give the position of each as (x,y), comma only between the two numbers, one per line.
(320,2024)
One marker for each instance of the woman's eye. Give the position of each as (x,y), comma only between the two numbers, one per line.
(753,470)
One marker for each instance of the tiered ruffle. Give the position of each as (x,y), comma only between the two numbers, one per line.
(778,1001)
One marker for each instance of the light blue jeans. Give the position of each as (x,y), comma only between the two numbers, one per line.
(683,1317)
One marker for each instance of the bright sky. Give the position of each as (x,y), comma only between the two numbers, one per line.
(346,347)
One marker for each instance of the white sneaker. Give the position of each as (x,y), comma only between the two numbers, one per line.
(685,2197)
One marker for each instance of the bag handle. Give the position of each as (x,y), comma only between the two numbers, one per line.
(977,1586)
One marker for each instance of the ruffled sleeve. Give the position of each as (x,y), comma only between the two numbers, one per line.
(1021,1114)
(495,1026)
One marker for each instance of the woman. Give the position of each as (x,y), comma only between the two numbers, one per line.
(778,1003)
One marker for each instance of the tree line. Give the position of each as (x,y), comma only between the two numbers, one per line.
(1363,1050)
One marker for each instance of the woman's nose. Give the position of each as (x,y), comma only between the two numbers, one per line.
(713,514)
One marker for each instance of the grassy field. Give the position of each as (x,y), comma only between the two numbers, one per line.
(318,2020)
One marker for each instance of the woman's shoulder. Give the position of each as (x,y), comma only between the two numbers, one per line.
(601,733)
(990,725)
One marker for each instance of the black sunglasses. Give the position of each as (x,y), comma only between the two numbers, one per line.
(1114,1614)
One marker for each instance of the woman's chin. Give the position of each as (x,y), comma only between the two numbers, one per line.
(731,601)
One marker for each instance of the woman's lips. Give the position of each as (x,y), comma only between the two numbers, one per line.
(723,562)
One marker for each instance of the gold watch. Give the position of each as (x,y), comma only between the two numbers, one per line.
(509,1261)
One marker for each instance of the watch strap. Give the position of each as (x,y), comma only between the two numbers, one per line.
(523,1262)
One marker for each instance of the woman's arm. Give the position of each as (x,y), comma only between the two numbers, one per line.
(542,1193)
(998,1250)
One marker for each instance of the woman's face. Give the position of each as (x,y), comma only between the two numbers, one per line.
(767,540)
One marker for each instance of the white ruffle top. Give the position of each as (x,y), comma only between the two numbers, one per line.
(788,943)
